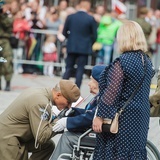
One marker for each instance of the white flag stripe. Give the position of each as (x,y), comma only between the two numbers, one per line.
(119,6)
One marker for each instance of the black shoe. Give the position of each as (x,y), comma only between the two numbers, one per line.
(7,86)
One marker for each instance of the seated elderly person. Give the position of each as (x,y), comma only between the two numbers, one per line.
(81,121)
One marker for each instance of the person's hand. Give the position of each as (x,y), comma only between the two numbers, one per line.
(60,125)
(97,124)
(61,37)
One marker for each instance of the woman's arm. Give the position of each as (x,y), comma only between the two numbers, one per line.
(109,97)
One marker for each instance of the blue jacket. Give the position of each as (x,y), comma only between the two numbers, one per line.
(80,29)
(82,118)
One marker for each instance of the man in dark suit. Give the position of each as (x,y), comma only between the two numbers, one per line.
(80,29)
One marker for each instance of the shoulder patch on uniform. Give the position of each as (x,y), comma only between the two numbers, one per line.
(44,114)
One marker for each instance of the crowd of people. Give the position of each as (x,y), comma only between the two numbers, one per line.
(124,82)
(53,47)
(30,45)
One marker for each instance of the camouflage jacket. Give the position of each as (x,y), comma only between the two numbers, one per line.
(5,25)
(146,27)
(155,100)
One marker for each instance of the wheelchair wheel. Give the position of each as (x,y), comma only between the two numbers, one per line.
(152,151)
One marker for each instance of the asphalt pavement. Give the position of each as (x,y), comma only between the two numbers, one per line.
(23,81)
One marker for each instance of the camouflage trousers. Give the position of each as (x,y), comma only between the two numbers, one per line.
(6,69)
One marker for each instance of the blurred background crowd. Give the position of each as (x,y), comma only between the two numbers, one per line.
(38,46)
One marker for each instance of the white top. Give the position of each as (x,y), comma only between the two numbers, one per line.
(49,47)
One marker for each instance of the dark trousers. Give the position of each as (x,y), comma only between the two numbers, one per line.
(71,60)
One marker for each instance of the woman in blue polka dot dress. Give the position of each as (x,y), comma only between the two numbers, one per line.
(117,82)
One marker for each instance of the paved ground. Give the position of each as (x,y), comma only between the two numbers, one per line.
(21,82)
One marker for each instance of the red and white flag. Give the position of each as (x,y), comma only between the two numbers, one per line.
(119,6)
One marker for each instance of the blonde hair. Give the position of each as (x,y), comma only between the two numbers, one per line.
(130,37)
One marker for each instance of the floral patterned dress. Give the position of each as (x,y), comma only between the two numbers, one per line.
(117,82)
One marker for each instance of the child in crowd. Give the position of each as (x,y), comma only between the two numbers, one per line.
(21,28)
(49,54)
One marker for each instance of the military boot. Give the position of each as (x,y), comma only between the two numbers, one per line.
(7,86)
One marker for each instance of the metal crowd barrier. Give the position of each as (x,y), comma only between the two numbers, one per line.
(55,64)
(61,64)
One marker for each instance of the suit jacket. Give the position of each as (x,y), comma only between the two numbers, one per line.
(80,29)
(82,118)
(19,122)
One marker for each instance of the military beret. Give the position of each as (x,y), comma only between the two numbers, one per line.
(69,90)
(96,71)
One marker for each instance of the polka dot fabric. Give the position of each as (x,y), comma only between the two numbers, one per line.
(117,82)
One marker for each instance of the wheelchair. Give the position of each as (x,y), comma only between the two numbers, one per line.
(84,149)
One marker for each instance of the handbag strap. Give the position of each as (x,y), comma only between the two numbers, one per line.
(137,88)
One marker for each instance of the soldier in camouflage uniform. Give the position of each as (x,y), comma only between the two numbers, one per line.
(155,100)
(6,69)
(146,27)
